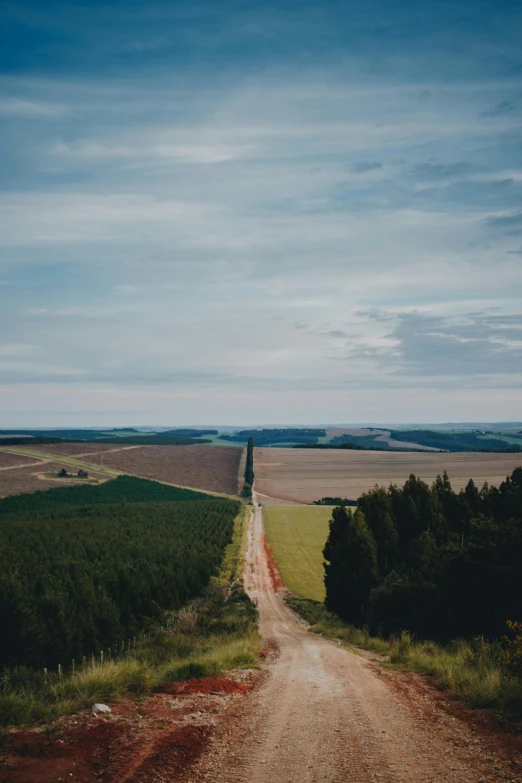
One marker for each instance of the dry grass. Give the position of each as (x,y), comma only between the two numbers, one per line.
(214,468)
(304,475)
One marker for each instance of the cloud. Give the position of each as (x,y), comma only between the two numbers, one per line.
(512,222)
(500,110)
(19,107)
(433,172)
(363,166)
(472,345)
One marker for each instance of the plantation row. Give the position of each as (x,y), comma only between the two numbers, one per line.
(124,489)
(429,560)
(75,579)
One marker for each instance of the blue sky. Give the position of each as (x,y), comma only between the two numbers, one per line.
(260,213)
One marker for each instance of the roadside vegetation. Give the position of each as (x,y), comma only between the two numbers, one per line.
(431,579)
(203,629)
(484,674)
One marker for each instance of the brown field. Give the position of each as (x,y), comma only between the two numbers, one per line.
(31,478)
(74,449)
(304,475)
(215,468)
(13,460)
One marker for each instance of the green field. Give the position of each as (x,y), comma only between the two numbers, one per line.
(297,535)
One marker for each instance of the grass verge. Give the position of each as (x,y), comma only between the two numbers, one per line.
(212,635)
(471,670)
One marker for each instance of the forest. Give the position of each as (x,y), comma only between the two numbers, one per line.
(429,560)
(272,437)
(84,568)
(454,441)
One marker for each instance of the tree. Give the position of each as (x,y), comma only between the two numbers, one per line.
(63,473)
(352,571)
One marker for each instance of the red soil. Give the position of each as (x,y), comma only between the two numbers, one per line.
(210,685)
(159,738)
(274,573)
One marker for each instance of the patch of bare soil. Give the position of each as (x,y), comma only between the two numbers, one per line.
(215,468)
(157,739)
(31,478)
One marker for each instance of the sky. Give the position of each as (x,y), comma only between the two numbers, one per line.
(251,212)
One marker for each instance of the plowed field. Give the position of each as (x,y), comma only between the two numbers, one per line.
(74,449)
(13,460)
(304,475)
(215,468)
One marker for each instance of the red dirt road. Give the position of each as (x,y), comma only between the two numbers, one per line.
(326,714)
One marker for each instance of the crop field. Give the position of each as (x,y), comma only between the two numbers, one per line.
(297,535)
(70,449)
(32,478)
(214,468)
(305,475)
(8,460)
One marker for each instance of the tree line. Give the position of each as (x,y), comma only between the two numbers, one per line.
(249,470)
(427,559)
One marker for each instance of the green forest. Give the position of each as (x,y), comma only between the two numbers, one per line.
(429,560)
(273,437)
(84,568)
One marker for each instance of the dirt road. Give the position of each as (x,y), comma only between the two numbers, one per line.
(325,714)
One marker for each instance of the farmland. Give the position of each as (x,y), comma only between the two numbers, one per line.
(80,553)
(13,460)
(297,535)
(305,475)
(212,468)
(32,478)
(72,449)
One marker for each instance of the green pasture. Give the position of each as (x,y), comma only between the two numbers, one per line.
(297,535)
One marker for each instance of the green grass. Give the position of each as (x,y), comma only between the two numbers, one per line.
(297,535)
(470,670)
